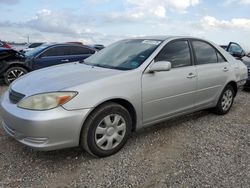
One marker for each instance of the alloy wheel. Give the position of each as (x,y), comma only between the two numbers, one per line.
(14,74)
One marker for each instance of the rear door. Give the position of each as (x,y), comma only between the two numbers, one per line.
(78,53)
(213,71)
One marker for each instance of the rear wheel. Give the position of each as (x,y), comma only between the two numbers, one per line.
(226,101)
(13,73)
(106,130)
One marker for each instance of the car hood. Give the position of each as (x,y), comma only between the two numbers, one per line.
(60,77)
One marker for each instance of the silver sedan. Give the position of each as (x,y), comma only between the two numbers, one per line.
(129,85)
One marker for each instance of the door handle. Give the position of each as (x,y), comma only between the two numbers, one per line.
(191,75)
(65,60)
(225,69)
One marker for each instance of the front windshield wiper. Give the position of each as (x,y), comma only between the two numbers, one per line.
(96,65)
(111,67)
(104,66)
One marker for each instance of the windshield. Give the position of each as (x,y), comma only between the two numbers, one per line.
(35,51)
(124,55)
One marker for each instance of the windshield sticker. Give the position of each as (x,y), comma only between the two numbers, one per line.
(152,42)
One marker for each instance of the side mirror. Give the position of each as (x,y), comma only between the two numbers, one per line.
(160,66)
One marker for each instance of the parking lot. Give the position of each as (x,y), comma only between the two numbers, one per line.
(198,150)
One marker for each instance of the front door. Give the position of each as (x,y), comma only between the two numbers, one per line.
(53,56)
(170,92)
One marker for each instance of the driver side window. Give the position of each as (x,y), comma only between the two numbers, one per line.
(177,53)
(56,51)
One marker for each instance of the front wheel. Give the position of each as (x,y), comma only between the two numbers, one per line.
(226,101)
(13,73)
(106,130)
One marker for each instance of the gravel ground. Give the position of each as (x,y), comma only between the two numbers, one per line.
(198,150)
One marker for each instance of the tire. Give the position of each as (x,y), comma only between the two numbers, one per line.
(226,101)
(13,73)
(106,130)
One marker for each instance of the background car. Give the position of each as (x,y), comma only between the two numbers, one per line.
(239,53)
(11,64)
(15,64)
(4,45)
(49,55)
(32,46)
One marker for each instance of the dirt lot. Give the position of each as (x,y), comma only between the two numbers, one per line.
(199,150)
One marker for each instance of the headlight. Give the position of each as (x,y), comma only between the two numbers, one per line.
(46,101)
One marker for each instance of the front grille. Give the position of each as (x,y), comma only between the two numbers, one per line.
(15,97)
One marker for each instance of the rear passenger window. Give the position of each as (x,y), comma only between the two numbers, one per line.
(206,54)
(177,53)
(78,50)
(66,51)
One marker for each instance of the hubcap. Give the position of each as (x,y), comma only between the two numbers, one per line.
(14,74)
(110,132)
(227,100)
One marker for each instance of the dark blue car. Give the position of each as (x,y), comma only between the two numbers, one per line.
(49,55)
(14,64)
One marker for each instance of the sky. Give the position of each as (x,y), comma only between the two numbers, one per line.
(106,21)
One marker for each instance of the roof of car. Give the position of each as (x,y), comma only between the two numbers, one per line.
(161,37)
(66,44)
(166,37)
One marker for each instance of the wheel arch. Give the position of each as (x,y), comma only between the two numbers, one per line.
(123,102)
(234,85)
(18,65)
(131,109)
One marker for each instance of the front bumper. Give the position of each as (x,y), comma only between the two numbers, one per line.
(43,130)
